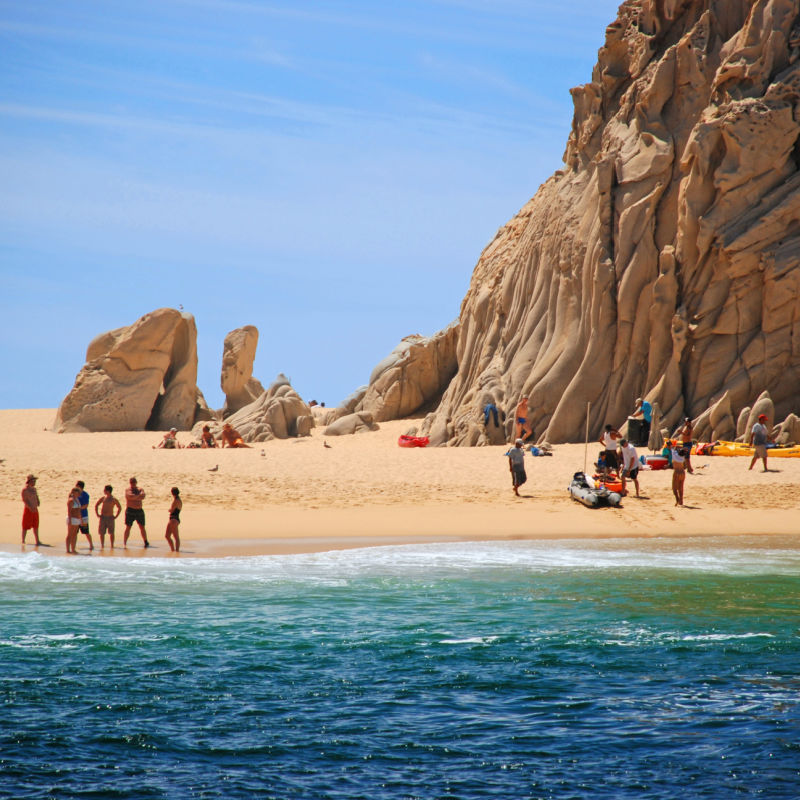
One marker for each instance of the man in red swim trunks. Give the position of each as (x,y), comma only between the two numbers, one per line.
(30,514)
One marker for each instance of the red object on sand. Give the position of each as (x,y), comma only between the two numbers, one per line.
(413,441)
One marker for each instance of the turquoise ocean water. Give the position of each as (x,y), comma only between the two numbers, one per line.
(616,669)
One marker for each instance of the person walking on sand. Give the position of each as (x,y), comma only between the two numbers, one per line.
(678,473)
(609,441)
(107,508)
(172,536)
(30,510)
(73,519)
(759,438)
(630,465)
(516,464)
(521,419)
(83,496)
(134,496)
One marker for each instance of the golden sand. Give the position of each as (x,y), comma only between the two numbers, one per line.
(362,490)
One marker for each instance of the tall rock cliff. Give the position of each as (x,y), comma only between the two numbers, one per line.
(664,260)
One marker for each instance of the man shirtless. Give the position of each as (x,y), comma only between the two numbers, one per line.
(107,508)
(134,511)
(231,437)
(30,513)
(521,419)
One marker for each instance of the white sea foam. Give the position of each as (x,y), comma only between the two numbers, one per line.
(337,568)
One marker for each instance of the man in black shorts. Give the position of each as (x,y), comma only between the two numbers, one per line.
(134,511)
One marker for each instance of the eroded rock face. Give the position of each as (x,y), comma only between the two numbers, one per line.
(412,376)
(662,261)
(236,380)
(277,414)
(140,377)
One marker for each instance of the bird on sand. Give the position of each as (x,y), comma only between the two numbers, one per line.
(214,468)
(325,444)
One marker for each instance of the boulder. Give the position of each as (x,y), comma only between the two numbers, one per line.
(360,422)
(788,432)
(279,413)
(141,377)
(236,380)
(661,261)
(412,376)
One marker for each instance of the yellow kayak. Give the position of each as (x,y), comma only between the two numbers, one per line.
(742,449)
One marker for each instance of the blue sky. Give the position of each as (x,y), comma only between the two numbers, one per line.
(328,171)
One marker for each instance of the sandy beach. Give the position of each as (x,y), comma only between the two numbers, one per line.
(363,490)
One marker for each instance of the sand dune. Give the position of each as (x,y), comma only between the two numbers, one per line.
(365,490)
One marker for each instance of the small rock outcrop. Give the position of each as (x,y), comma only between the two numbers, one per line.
(236,380)
(141,377)
(662,260)
(412,376)
(360,422)
(279,413)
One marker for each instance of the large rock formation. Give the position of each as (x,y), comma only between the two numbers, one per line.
(140,377)
(279,413)
(412,376)
(663,261)
(236,380)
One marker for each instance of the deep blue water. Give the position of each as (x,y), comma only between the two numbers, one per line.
(621,669)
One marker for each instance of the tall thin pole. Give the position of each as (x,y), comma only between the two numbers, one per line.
(586,448)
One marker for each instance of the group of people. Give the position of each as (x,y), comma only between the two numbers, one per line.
(107,509)
(228,437)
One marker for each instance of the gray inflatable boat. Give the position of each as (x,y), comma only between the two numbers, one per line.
(584,492)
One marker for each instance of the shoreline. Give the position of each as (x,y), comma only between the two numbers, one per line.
(363,490)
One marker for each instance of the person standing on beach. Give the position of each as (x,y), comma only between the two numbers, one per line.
(73,519)
(609,441)
(759,438)
(521,419)
(30,511)
(686,434)
(107,508)
(678,473)
(83,496)
(172,536)
(134,496)
(644,410)
(516,464)
(630,465)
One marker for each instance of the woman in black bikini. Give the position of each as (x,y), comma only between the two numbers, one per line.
(172,537)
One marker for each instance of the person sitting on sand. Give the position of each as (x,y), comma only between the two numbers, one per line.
(170,440)
(759,438)
(516,464)
(30,512)
(107,508)
(207,438)
(172,536)
(231,437)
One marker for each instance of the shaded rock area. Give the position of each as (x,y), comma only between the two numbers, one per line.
(141,377)
(663,261)
(279,413)
(236,380)
(412,376)
(360,422)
